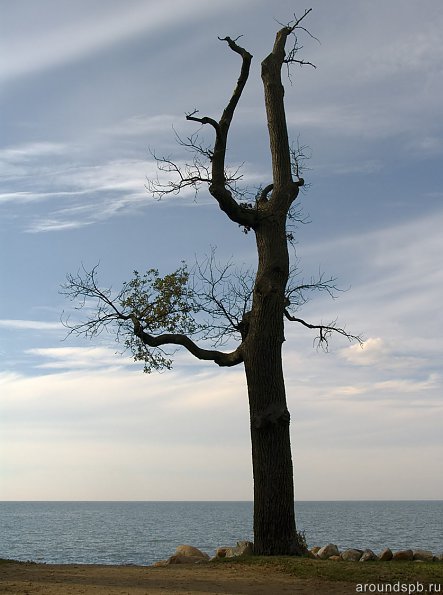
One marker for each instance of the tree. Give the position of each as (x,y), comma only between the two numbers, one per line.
(152,313)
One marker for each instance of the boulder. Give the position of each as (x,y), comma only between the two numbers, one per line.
(327,551)
(221,552)
(190,551)
(385,555)
(403,555)
(314,550)
(243,548)
(311,555)
(351,555)
(179,559)
(368,556)
(423,555)
(184,554)
(335,558)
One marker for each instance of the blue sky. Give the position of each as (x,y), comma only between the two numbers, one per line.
(87,88)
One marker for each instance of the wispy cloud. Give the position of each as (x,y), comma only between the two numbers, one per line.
(75,358)
(143,125)
(28,151)
(36,325)
(76,196)
(72,36)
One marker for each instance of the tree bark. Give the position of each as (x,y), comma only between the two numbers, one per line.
(274,518)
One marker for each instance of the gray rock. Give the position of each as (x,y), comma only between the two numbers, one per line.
(368,556)
(423,555)
(352,555)
(327,551)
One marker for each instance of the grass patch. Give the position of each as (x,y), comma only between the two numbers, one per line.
(353,572)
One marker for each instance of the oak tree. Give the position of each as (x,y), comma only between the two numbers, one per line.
(153,314)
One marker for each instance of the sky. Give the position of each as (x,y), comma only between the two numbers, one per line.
(87,90)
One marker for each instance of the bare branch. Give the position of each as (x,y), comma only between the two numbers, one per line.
(297,293)
(222,183)
(225,294)
(325,331)
(189,175)
(205,120)
(263,196)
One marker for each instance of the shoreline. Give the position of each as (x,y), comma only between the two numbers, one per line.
(31,578)
(250,576)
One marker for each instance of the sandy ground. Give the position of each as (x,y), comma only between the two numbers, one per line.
(42,579)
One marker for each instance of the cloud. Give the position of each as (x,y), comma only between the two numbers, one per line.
(403,385)
(34,197)
(72,33)
(87,193)
(24,325)
(143,125)
(372,351)
(79,195)
(75,358)
(114,426)
(426,146)
(27,160)
(28,151)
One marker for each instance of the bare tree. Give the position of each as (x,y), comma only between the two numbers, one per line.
(155,314)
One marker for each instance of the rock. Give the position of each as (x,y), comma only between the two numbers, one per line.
(243,548)
(221,552)
(311,555)
(438,558)
(179,559)
(423,555)
(335,558)
(368,556)
(184,554)
(190,551)
(386,555)
(351,555)
(314,550)
(403,555)
(327,551)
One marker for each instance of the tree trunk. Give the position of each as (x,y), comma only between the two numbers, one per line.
(274,517)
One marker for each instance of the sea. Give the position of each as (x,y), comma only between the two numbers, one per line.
(141,533)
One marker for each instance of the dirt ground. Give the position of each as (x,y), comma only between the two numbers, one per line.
(46,579)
